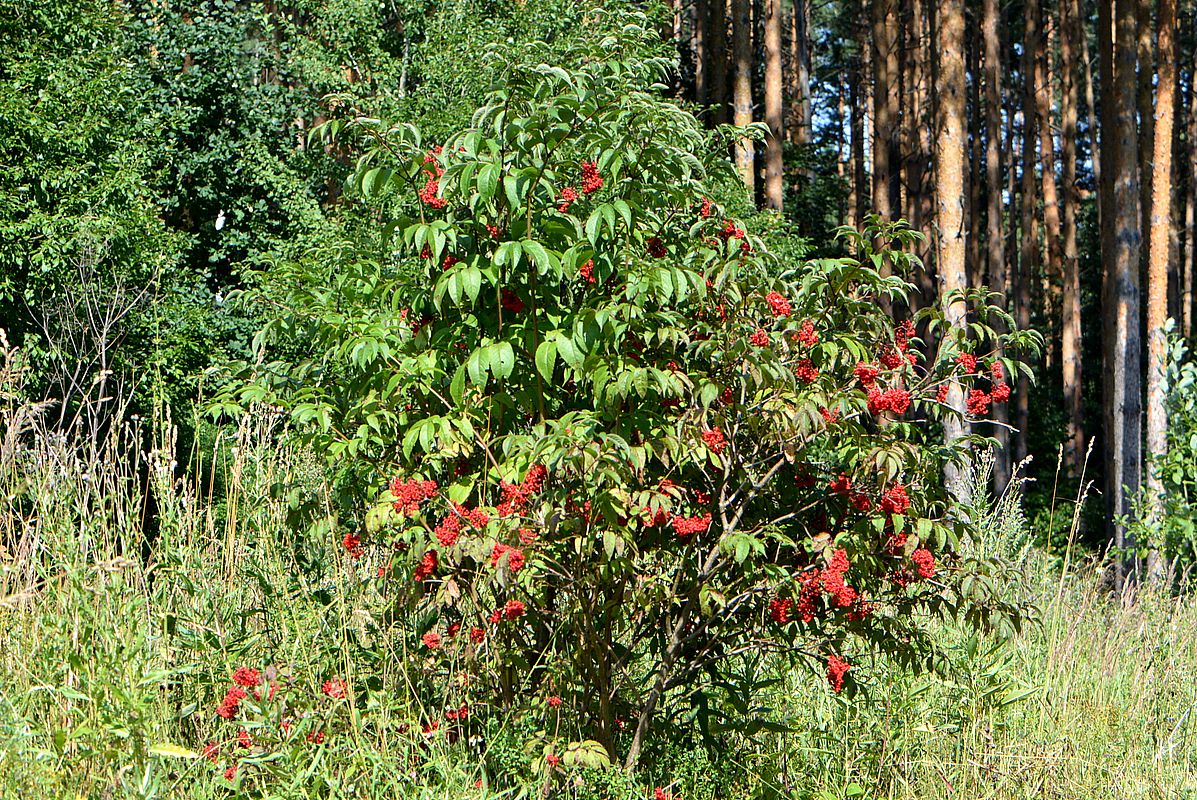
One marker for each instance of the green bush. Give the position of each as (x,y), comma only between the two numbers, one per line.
(627,448)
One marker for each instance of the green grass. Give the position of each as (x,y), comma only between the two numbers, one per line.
(114,646)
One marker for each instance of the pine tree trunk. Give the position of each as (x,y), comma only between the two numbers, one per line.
(1071,31)
(800,131)
(1190,256)
(1053,270)
(742,94)
(774,106)
(886,197)
(976,160)
(715,59)
(995,251)
(1028,263)
(919,198)
(1143,47)
(950,142)
(858,104)
(1158,247)
(1122,237)
(1090,104)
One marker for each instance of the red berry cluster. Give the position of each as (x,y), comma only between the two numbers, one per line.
(866,374)
(517,495)
(655,247)
(759,338)
(778,304)
(925,562)
(247,676)
(353,545)
(515,557)
(426,567)
(806,371)
(833,583)
(512,610)
(894,500)
(978,402)
(807,334)
(449,528)
(429,194)
(714,439)
(685,527)
(587,271)
(896,400)
(837,668)
(411,493)
(591,180)
(568,195)
(231,702)
(781,610)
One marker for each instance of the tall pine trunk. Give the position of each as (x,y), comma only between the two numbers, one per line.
(742,94)
(1028,262)
(1190,256)
(976,161)
(1071,32)
(858,104)
(1121,240)
(1158,247)
(1053,270)
(800,131)
(886,197)
(714,23)
(995,250)
(1143,96)
(774,106)
(950,142)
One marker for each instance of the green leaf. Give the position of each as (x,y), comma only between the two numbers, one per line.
(502,360)
(457,385)
(546,357)
(488,181)
(173,751)
(536,252)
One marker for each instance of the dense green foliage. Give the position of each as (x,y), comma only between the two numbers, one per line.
(630,445)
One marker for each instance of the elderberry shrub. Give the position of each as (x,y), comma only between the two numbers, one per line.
(618,445)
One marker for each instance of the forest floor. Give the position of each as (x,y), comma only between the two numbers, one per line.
(111,668)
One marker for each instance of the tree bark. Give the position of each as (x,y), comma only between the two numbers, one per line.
(714,62)
(1028,264)
(858,105)
(949,193)
(774,106)
(1071,32)
(742,95)
(800,131)
(1144,98)
(976,161)
(1122,237)
(886,197)
(995,251)
(916,158)
(1090,104)
(1158,248)
(1053,270)
(1190,255)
